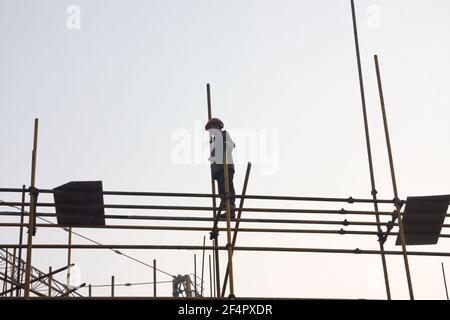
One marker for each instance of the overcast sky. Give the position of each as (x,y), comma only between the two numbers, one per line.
(119,89)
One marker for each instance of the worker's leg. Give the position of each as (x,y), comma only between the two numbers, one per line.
(231,185)
(217,171)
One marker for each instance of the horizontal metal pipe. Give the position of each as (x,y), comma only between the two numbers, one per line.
(250,220)
(207,195)
(201,208)
(187,247)
(203,229)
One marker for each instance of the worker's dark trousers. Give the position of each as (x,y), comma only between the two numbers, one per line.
(217,174)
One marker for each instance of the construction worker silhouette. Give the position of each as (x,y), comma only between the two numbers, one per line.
(221,141)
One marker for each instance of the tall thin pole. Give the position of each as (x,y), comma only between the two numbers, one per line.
(50,277)
(90,291)
(195,275)
(210,277)
(228,208)
(13,270)
(213,188)
(154,278)
(5,281)
(19,268)
(445,281)
(33,200)
(369,152)
(112,286)
(69,257)
(214,268)
(203,264)
(394,182)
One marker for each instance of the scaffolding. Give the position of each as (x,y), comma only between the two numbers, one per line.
(20,274)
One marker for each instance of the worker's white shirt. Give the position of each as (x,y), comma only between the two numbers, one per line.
(216,147)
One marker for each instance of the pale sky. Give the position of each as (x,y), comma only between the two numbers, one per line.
(113,96)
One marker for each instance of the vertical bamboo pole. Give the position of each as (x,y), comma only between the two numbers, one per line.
(19,270)
(214,268)
(210,277)
(154,278)
(227,206)
(213,188)
(203,265)
(50,277)
(13,271)
(394,182)
(112,286)
(69,256)
(195,275)
(369,152)
(33,200)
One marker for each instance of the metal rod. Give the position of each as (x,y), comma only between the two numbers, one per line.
(445,281)
(228,216)
(213,190)
(199,208)
(69,256)
(5,283)
(205,229)
(236,227)
(112,286)
(154,278)
(214,271)
(22,210)
(349,200)
(50,277)
(203,265)
(181,228)
(193,247)
(394,183)
(90,291)
(31,217)
(13,269)
(195,275)
(369,151)
(210,278)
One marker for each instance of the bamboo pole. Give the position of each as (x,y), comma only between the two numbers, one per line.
(213,189)
(369,153)
(236,228)
(154,278)
(228,215)
(203,265)
(210,278)
(445,281)
(33,200)
(19,270)
(394,182)
(193,247)
(349,200)
(69,256)
(50,277)
(203,229)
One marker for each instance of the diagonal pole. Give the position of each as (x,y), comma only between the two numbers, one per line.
(394,182)
(236,228)
(369,153)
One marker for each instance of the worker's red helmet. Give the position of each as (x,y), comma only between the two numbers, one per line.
(214,122)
